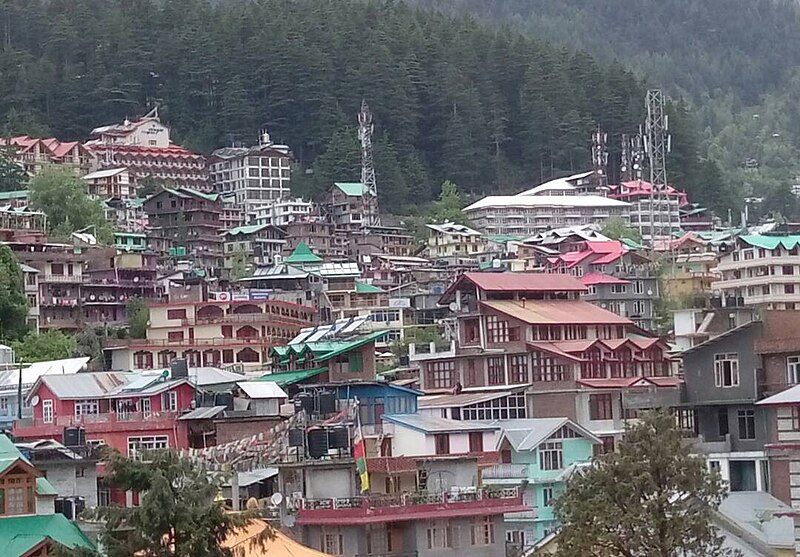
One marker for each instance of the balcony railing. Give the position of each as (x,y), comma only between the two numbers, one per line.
(410,506)
(105,422)
(506,472)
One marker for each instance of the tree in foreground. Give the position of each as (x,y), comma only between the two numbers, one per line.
(450,205)
(178,514)
(617,228)
(13,303)
(36,347)
(138,317)
(62,197)
(12,176)
(650,498)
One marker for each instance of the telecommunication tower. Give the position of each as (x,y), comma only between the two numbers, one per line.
(631,157)
(600,160)
(657,145)
(370,196)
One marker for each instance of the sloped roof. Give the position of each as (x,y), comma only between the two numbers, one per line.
(10,379)
(257,539)
(596,201)
(527,434)
(789,396)
(84,385)
(262,389)
(284,378)
(366,288)
(566,183)
(453,228)
(566,312)
(204,413)
(247,229)
(104,173)
(303,254)
(20,534)
(434,424)
(595,277)
(771,242)
(519,282)
(353,189)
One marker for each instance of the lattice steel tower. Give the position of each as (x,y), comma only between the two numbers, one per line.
(657,145)
(370,197)
(600,160)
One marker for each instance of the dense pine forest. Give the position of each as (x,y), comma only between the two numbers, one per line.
(736,62)
(453,98)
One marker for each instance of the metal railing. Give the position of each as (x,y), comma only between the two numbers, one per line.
(103,418)
(506,472)
(455,495)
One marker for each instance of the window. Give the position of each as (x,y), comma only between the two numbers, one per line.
(440,375)
(546,369)
(607,445)
(714,467)
(80,472)
(619,288)
(175,336)
(793,370)
(788,270)
(482,530)
(638,287)
(355,362)
(551,456)
(639,307)
(438,534)
(795,418)
(145,407)
(176,313)
(726,370)
(15,500)
(57,268)
(84,407)
(47,411)
(600,407)
(496,370)
(747,424)
(498,330)
(685,419)
(502,408)
(472,374)
(169,401)
(547,495)
(138,445)
(722,422)
(331,540)
(475,442)
(441,442)
(518,368)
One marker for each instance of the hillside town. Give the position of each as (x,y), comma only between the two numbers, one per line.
(356,382)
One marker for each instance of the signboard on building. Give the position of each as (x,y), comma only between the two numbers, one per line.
(256,294)
(240,296)
(399,302)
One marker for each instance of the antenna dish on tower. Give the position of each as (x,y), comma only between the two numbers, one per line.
(370,194)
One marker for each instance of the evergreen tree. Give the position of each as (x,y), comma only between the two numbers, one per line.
(138,317)
(12,176)
(13,303)
(649,498)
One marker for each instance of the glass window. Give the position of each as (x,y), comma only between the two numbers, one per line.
(496,370)
(601,407)
(438,534)
(726,370)
(551,456)
(355,362)
(47,411)
(747,424)
(482,530)
(793,370)
(441,443)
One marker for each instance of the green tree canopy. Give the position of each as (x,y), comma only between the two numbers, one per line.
(12,175)
(51,345)
(62,196)
(138,317)
(178,514)
(617,228)
(13,303)
(649,498)
(449,206)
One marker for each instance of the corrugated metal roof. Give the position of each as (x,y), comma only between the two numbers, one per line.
(432,424)
(353,189)
(525,282)
(254,476)
(599,278)
(527,434)
(555,312)
(596,201)
(86,385)
(262,389)
(459,400)
(204,413)
(10,379)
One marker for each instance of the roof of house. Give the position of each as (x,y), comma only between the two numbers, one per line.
(626,382)
(527,434)
(303,254)
(20,534)
(284,378)
(789,396)
(204,413)
(10,379)
(262,389)
(596,201)
(10,455)
(247,229)
(595,278)
(189,192)
(353,189)
(771,242)
(434,424)
(84,385)
(519,282)
(760,515)
(257,539)
(104,173)
(366,288)
(16,194)
(459,400)
(566,183)
(453,228)
(566,312)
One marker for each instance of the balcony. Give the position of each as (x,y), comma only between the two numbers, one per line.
(505,473)
(73,279)
(458,502)
(36,428)
(264,318)
(418,352)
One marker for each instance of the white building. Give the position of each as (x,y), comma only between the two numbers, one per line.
(258,175)
(454,242)
(111,182)
(284,211)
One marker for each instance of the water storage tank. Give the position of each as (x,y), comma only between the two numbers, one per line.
(71,436)
(338,438)
(296,437)
(224,399)
(304,401)
(317,442)
(6,354)
(326,402)
(81,436)
(178,368)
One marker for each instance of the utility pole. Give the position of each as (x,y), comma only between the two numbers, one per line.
(370,195)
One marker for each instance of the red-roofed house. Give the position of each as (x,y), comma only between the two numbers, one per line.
(35,154)
(535,331)
(617,279)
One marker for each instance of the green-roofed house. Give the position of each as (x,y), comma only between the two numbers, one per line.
(344,206)
(259,242)
(29,526)
(327,360)
(761,270)
(302,255)
(187,219)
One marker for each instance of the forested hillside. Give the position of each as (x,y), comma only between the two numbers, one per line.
(736,61)
(452,98)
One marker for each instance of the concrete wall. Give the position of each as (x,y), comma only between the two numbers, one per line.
(331,482)
(64,477)
(231,430)
(410,442)
(552,405)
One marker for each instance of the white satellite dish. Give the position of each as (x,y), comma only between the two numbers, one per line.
(453,306)
(35,400)
(276,499)
(289,520)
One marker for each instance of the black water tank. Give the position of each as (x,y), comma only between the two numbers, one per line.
(296,437)
(80,506)
(224,399)
(317,442)
(178,368)
(304,401)
(81,436)
(326,402)
(338,438)
(71,436)
(65,507)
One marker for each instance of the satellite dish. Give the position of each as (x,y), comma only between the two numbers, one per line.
(276,499)
(35,400)
(288,520)
(453,306)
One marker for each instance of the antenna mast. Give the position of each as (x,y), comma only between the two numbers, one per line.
(600,160)
(657,145)
(370,196)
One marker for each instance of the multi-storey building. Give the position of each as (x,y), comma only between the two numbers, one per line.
(651,212)
(317,234)
(143,147)
(617,279)
(258,175)
(258,243)
(35,154)
(17,199)
(127,215)
(31,278)
(22,226)
(575,359)
(762,271)
(212,333)
(551,205)
(344,206)
(283,212)
(539,456)
(29,523)
(185,224)
(130,242)
(111,182)
(454,243)
(375,240)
